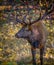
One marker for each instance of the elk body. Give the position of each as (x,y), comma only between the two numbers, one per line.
(36,36)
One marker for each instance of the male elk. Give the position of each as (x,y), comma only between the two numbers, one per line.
(36,35)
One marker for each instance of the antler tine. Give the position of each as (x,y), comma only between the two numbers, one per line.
(23,21)
(45,15)
(28,9)
(36,19)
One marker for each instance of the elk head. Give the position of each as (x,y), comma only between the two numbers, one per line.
(24,32)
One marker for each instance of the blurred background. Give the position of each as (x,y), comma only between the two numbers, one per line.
(15,51)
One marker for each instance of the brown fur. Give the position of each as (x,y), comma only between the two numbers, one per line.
(40,26)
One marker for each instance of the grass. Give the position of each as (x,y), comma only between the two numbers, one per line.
(46,62)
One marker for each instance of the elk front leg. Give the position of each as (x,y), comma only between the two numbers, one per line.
(41,56)
(33,50)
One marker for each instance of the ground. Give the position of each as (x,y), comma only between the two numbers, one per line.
(47,62)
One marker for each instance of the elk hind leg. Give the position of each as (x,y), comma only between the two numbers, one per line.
(41,55)
(33,56)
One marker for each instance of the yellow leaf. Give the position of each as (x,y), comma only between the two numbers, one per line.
(51,30)
(47,55)
(41,4)
(0,49)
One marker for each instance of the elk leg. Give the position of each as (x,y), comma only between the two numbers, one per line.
(41,55)
(33,56)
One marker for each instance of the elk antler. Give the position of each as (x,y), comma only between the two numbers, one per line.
(24,18)
(21,21)
(44,16)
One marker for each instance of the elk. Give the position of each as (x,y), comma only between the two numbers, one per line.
(36,36)
(35,33)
